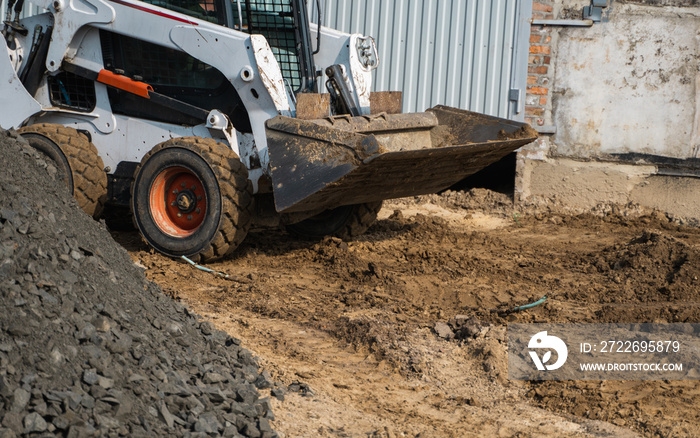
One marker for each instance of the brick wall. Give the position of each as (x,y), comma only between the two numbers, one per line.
(537,101)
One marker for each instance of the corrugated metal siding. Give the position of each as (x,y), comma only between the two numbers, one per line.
(453,52)
(27,11)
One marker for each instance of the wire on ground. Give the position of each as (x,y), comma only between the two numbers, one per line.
(202,268)
(521,308)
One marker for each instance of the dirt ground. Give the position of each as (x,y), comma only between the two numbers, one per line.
(350,325)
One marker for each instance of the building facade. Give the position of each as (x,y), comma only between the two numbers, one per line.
(617,103)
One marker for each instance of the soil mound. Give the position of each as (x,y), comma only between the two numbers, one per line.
(652,267)
(473,200)
(88,346)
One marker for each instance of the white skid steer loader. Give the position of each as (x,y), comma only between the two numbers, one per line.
(203,116)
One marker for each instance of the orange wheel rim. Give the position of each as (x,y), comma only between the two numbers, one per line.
(178,201)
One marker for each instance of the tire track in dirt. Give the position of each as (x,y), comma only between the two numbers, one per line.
(354,319)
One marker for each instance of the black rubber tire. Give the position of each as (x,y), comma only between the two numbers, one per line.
(77,160)
(228,208)
(344,222)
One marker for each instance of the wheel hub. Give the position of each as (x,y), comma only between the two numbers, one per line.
(178,201)
(186,201)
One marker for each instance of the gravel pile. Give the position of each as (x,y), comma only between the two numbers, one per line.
(88,347)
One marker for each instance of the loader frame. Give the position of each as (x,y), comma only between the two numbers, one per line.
(189,113)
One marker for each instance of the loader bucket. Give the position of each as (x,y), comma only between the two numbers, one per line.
(325,163)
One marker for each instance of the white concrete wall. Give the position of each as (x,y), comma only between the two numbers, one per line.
(629,85)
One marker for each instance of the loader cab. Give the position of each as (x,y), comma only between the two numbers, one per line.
(172,73)
(283,23)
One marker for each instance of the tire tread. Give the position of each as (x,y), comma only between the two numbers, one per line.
(87,168)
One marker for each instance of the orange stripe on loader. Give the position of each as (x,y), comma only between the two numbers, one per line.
(123,83)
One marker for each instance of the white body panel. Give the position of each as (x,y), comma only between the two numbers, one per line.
(70,21)
(15,103)
(341,48)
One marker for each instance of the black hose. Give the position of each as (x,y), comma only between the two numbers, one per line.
(18,6)
(318,31)
(10,3)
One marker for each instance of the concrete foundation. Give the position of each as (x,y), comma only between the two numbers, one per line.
(587,184)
